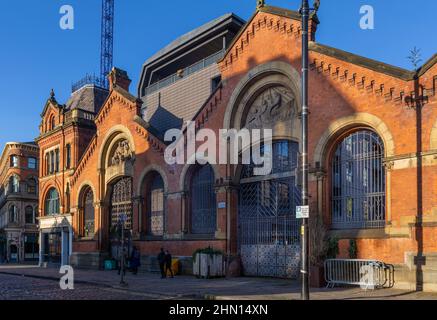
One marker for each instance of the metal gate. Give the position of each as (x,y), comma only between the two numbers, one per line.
(121,205)
(269,237)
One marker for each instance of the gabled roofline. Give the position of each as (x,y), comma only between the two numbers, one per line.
(428,65)
(361,61)
(272,10)
(53,102)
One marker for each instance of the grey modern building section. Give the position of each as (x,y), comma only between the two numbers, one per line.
(177,80)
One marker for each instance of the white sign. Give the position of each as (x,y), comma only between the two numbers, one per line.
(302,212)
(222,205)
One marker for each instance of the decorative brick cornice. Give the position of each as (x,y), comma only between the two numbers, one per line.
(387,92)
(115,96)
(276,23)
(155,143)
(84,160)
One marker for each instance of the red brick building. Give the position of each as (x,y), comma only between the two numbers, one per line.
(373,154)
(19,203)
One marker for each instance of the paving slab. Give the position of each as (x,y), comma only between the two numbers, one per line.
(188,287)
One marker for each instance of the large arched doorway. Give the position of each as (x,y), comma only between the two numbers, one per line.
(120,213)
(269,238)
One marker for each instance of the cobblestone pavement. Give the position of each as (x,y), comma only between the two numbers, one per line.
(25,288)
(26,282)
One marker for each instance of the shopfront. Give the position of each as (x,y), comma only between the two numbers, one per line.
(55,240)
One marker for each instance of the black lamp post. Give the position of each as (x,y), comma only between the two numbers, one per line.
(305,12)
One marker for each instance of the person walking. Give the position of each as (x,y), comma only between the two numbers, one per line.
(121,261)
(161,261)
(168,261)
(135,260)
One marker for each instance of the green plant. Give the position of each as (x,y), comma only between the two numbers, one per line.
(209,250)
(353,249)
(333,248)
(318,243)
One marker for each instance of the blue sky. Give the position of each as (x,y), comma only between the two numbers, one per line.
(36,55)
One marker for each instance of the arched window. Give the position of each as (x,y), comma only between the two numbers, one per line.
(29,215)
(52,203)
(31,186)
(68,156)
(13,214)
(14,161)
(156,206)
(52,123)
(52,162)
(358,182)
(47,164)
(88,213)
(14,184)
(57,160)
(203,201)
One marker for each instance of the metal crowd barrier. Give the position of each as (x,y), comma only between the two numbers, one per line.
(368,274)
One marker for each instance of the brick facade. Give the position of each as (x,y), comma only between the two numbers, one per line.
(19,203)
(347,93)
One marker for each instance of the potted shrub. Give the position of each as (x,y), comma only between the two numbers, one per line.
(318,251)
(208,263)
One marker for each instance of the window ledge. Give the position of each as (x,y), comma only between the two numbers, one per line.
(86,239)
(359,233)
(210,237)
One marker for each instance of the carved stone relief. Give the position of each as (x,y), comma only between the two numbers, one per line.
(273,109)
(122,153)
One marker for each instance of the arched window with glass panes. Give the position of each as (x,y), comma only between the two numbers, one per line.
(52,203)
(156,206)
(358,182)
(88,214)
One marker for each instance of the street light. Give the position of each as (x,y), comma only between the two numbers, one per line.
(305,13)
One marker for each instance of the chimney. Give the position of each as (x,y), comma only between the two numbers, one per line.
(119,78)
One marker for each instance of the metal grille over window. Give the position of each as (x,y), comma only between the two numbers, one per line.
(89,214)
(156,196)
(358,182)
(203,202)
(121,202)
(269,237)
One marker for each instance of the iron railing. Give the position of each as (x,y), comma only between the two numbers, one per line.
(202,64)
(89,79)
(369,274)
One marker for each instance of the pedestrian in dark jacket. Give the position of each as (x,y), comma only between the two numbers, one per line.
(161,261)
(168,261)
(135,260)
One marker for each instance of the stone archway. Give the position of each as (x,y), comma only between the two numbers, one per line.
(339,126)
(268,97)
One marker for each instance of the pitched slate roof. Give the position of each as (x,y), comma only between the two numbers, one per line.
(89,98)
